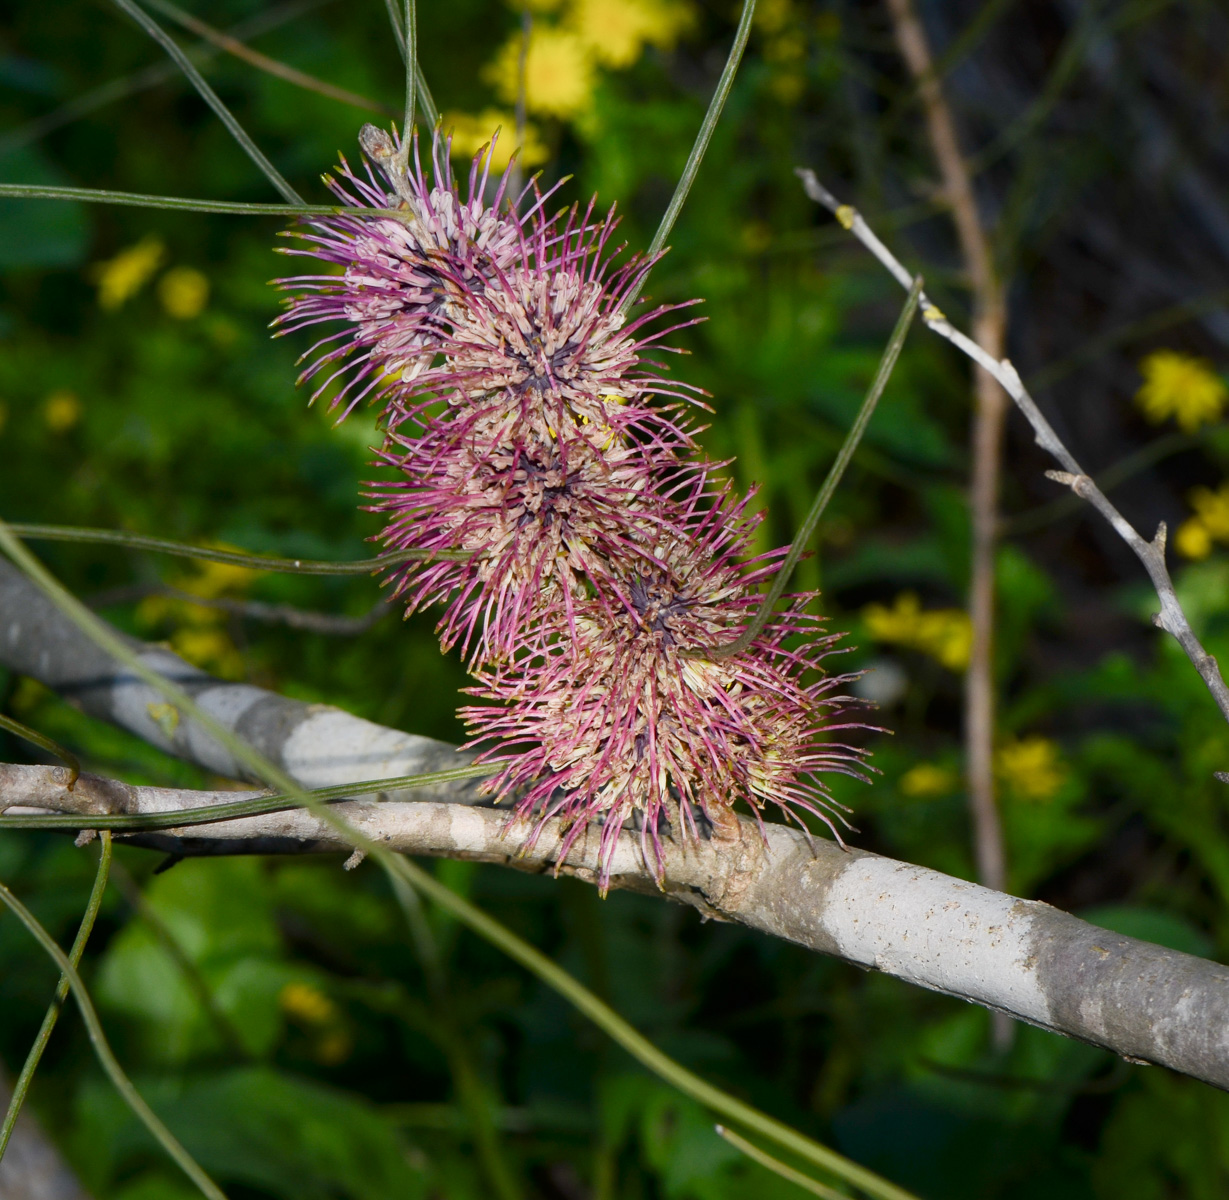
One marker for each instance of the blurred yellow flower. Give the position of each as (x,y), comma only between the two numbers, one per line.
(471,132)
(200,633)
(120,278)
(943,633)
(772,15)
(615,31)
(1210,523)
(1176,385)
(1031,768)
(209,647)
(310,1007)
(928,779)
(559,72)
(308,1004)
(184,292)
(62,410)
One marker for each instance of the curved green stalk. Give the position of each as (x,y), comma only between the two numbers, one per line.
(803,536)
(715,105)
(777,1167)
(22,1086)
(165,1138)
(188,67)
(237,558)
(411,69)
(67,757)
(638,1046)
(521,951)
(429,108)
(211,814)
(41,191)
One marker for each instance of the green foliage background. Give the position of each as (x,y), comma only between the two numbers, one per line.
(376,1085)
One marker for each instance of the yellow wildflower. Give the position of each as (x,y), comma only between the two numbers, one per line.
(1176,385)
(1210,523)
(615,31)
(1031,768)
(559,72)
(62,410)
(209,647)
(310,1007)
(120,278)
(1192,539)
(184,292)
(307,1004)
(943,633)
(471,132)
(773,15)
(928,779)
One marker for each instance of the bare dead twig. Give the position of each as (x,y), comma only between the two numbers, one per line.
(990,411)
(1151,554)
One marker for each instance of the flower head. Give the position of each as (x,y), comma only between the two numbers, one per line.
(591,560)
(397,270)
(614,713)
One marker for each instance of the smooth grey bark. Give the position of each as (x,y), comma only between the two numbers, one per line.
(1019,957)
(317,744)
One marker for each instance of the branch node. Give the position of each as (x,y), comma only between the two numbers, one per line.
(1158,542)
(354,860)
(85,837)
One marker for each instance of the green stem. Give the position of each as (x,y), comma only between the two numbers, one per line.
(638,1046)
(188,67)
(165,1138)
(474,1098)
(22,1086)
(191,973)
(210,814)
(429,109)
(40,191)
(555,977)
(716,104)
(411,69)
(886,363)
(777,1167)
(237,558)
(67,757)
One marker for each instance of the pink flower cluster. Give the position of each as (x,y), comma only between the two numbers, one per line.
(525,427)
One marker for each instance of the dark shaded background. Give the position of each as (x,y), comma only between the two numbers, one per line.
(293,1044)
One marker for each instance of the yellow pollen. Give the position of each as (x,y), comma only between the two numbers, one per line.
(846,214)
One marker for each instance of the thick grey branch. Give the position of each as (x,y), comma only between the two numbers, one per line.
(1019,957)
(317,744)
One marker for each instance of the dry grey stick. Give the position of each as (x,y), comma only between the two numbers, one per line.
(1019,957)
(1171,618)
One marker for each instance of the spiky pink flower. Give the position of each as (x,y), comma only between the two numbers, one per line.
(616,714)
(397,270)
(543,502)
(526,428)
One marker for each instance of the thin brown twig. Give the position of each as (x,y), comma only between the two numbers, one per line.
(989,418)
(262,62)
(1172,619)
